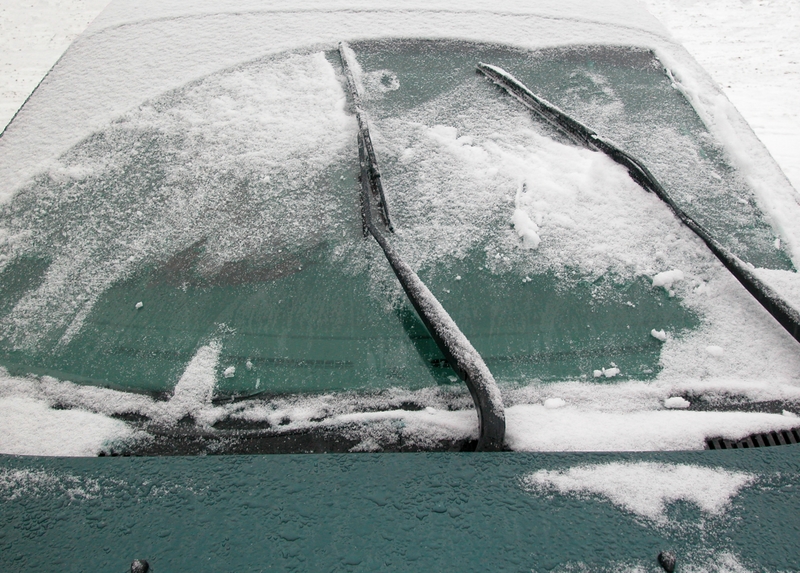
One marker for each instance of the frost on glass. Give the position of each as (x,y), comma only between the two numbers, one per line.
(548,256)
(225,215)
(224,211)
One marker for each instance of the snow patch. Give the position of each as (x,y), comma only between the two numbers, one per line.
(659,334)
(195,389)
(646,488)
(379,82)
(32,427)
(677,403)
(785,283)
(607,372)
(533,427)
(667,278)
(526,229)
(287,112)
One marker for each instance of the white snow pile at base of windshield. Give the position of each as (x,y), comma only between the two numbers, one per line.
(536,428)
(568,416)
(645,488)
(30,426)
(263,134)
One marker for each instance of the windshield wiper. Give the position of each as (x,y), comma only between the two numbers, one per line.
(782,311)
(457,349)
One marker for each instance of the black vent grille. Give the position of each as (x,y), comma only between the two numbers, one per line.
(780,438)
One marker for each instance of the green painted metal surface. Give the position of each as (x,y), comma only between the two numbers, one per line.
(381,512)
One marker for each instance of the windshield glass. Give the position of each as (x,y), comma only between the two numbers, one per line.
(207,247)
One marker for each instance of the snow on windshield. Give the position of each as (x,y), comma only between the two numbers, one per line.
(206,164)
(239,163)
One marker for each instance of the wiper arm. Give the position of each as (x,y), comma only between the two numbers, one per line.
(369,164)
(782,311)
(457,349)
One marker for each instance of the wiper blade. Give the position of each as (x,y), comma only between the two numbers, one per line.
(781,310)
(371,170)
(457,349)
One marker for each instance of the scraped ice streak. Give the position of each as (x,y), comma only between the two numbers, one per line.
(232,162)
(646,488)
(195,389)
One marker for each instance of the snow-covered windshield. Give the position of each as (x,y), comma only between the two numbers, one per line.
(200,261)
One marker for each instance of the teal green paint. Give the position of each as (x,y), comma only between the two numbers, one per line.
(384,512)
